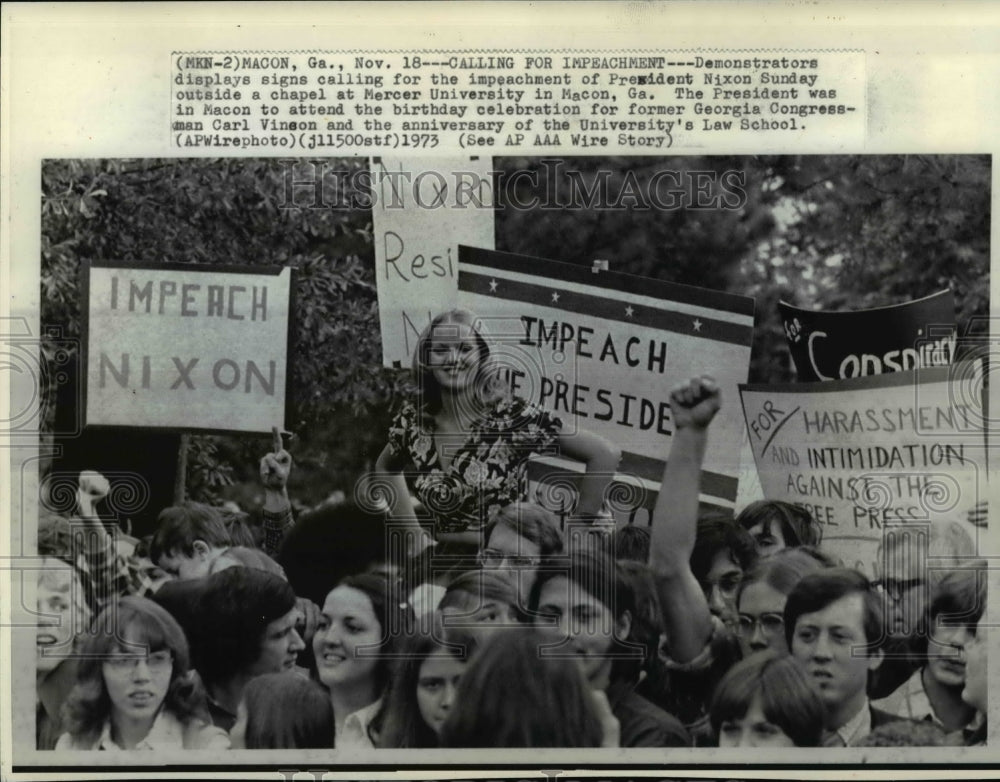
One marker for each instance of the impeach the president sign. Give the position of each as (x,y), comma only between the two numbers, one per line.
(873,452)
(188,347)
(838,345)
(602,350)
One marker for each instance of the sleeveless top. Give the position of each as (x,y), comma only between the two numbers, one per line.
(488,470)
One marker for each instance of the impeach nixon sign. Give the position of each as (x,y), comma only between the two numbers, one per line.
(185,346)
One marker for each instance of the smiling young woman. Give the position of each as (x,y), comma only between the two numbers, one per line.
(361,621)
(467,438)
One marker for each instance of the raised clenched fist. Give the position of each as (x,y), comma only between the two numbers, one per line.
(695,403)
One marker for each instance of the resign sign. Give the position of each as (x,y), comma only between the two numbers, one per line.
(421,210)
(179,346)
(865,454)
(603,350)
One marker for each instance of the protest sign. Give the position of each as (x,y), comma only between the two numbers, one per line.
(870,453)
(837,345)
(422,209)
(179,346)
(602,350)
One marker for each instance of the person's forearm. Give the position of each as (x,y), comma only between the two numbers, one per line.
(675,514)
(278,520)
(600,471)
(276,501)
(392,487)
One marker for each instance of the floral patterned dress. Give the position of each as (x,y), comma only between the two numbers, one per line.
(488,471)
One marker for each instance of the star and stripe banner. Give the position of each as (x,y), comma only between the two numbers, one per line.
(602,350)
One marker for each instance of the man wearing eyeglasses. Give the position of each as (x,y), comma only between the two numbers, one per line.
(519,540)
(909,560)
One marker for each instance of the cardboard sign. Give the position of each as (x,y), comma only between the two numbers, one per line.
(180,346)
(870,453)
(839,345)
(422,210)
(602,350)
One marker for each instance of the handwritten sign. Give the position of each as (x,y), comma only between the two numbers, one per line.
(422,210)
(838,345)
(861,455)
(187,347)
(602,351)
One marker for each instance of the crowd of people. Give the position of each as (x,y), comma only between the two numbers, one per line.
(464,615)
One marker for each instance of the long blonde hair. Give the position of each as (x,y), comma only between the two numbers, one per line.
(487,382)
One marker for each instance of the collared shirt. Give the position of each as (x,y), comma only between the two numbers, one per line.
(167,733)
(354,733)
(852,731)
(911,701)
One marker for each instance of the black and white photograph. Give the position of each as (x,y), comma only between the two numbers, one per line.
(534,531)
(395,392)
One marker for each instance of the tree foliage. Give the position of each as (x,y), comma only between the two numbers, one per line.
(827,232)
(823,232)
(240,212)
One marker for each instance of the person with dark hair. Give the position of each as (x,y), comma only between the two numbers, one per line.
(775,525)
(283,711)
(192,541)
(699,646)
(767,700)
(631,542)
(522,537)
(135,688)
(480,602)
(330,543)
(468,439)
(976,689)
(361,624)
(655,682)
(243,626)
(723,552)
(833,627)
(80,572)
(422,690)
(934,691)
(551,706)
(762,596)
(905,578)
(592,606)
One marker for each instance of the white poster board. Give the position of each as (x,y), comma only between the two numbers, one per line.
(179,346)
(602,350)
(422,209)
(865,454)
